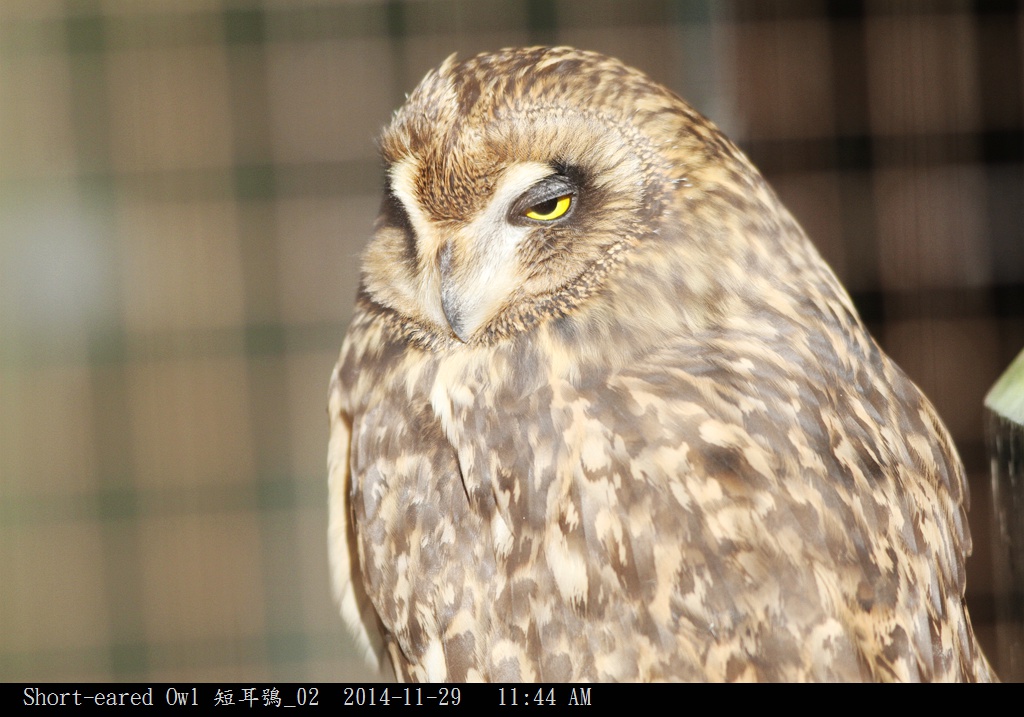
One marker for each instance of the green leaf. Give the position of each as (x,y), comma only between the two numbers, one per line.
(1006,397)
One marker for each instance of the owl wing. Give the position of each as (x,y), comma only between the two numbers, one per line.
(356,608)
(412,566)
(810,523)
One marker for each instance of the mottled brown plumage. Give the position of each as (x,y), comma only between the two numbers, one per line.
(642,435)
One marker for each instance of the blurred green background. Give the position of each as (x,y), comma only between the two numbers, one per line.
(185,186)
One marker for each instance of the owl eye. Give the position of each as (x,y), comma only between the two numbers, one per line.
(549,200)
(550,209)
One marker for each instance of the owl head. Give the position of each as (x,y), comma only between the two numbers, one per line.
(516,182)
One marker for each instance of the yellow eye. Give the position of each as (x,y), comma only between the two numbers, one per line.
(551,209)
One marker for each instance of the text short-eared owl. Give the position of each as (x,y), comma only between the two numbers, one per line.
(603,413)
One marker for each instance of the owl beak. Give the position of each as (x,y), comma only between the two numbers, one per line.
(476,277)
(451,299)
(453,312)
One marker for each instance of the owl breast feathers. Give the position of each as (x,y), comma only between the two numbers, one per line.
(603,413)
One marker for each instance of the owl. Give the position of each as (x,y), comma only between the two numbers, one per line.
(604,413)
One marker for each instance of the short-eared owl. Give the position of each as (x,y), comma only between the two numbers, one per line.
(603,412)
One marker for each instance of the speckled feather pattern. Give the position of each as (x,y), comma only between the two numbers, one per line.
(667,450)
